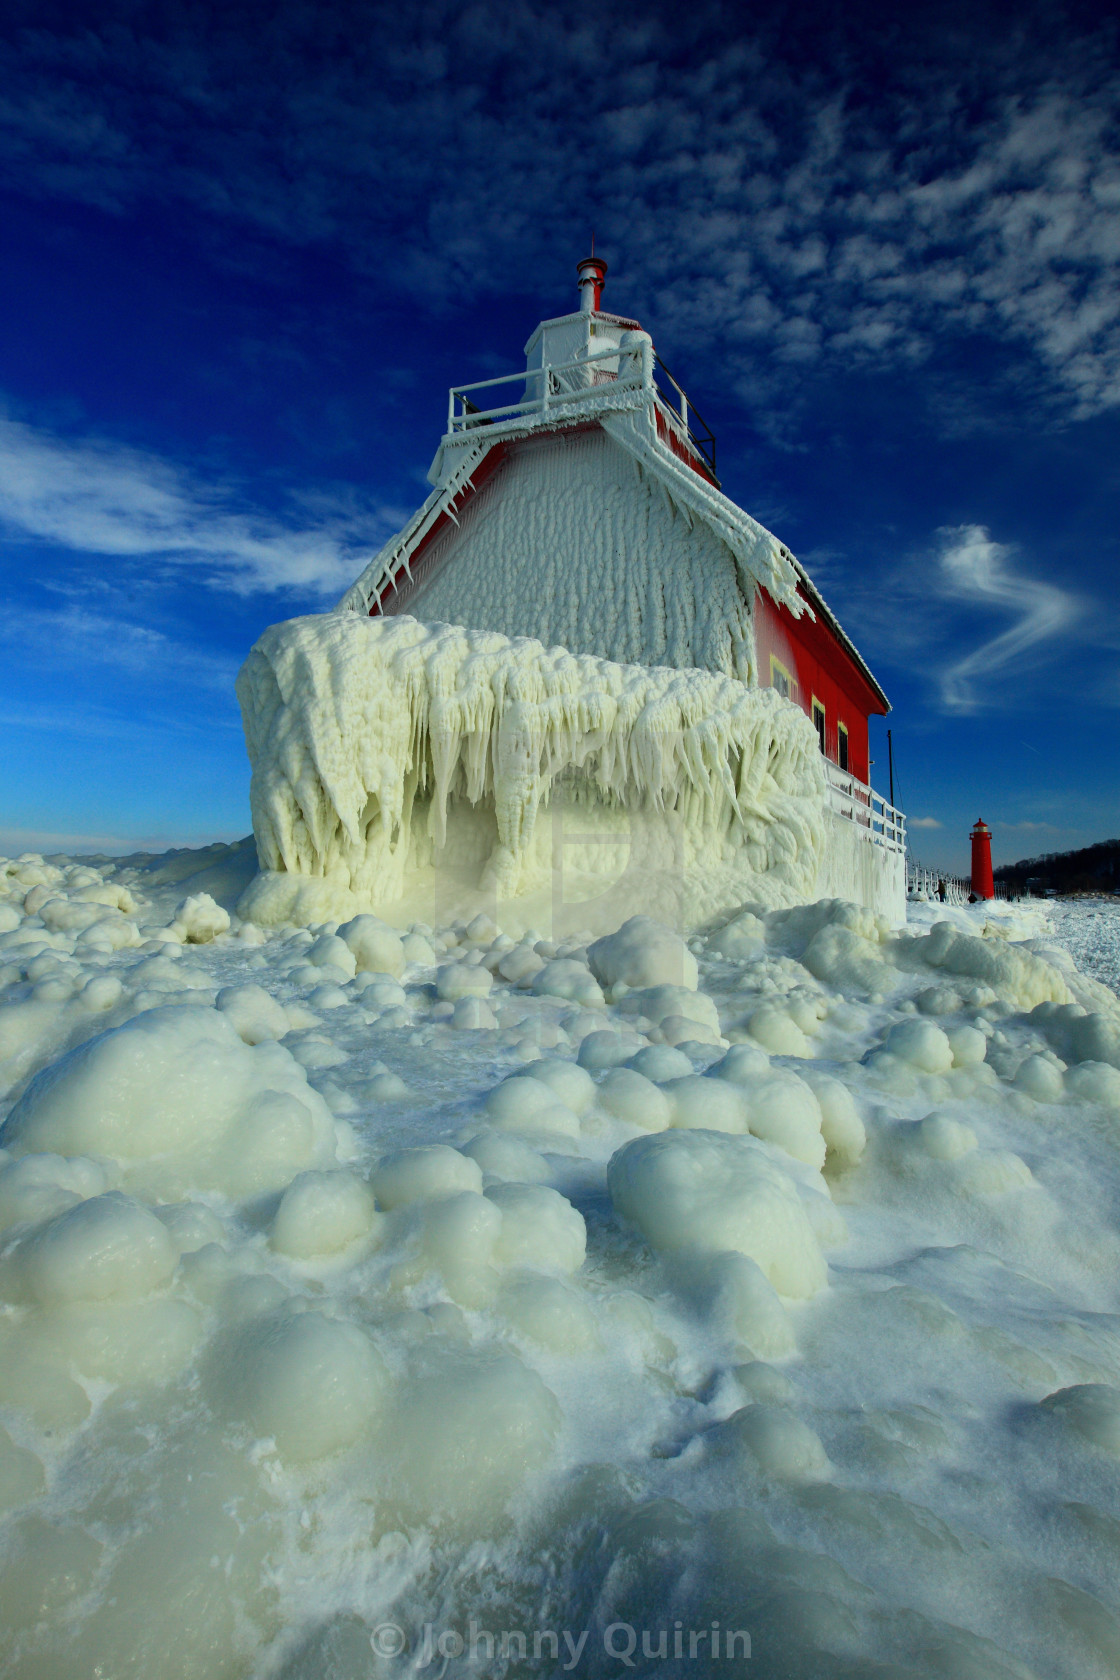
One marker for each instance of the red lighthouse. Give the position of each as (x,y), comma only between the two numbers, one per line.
(983,886)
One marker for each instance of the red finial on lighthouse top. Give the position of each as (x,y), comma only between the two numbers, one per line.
(592,273)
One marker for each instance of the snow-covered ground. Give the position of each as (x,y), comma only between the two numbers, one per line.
(1089,928)
(447,1305)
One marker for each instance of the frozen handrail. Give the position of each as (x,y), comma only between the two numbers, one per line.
(926,883)
(552,392)
(699,433)
(556,386)
(861,805)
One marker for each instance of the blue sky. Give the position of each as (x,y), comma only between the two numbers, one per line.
(245,249)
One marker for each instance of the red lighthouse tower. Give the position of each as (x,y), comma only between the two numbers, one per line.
(983,885)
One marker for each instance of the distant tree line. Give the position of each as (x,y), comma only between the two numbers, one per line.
(1093,869)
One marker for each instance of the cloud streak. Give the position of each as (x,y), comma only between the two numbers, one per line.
(962,611)
(974,569)
(73,637)
(98,497)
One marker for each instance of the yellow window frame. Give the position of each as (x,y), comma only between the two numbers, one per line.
(816,706)
(776,666)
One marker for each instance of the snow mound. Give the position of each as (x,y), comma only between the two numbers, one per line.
(643,953)
(322,1213)
(470,1426)
(776,1441)
(708,1192)
(40,1186)
(540,1228)
(106,1248)
(1093,1410)
(375,946)
(417,1175)
(200,919)
(310,1383)
(180,1101)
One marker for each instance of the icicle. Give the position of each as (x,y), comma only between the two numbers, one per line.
(364,734)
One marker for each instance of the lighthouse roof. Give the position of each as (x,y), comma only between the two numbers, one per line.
(591,367)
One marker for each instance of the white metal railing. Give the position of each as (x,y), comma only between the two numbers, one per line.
(549,390)
(696,430)
(938,884)
(935,883)
(556,386)
(860,804)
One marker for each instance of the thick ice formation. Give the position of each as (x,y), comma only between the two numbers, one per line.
(307,1381)
(642,953)
(181,1102)
(385,750)
(700,1190)
(775,1292)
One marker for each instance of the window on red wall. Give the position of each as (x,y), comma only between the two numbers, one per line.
(781,679)
(819,722)
(842,746)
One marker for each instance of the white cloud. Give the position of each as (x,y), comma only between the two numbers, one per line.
(974,569)
(965,614)
(100,497)
(923,822)
(1027,827)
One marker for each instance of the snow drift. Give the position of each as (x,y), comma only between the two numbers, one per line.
(393,761)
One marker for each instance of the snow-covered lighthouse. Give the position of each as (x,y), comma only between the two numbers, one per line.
(579,679)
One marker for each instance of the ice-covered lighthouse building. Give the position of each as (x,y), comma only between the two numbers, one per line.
(579,681)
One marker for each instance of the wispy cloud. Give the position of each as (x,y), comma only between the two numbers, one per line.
(974,618)
(923,822)
(72,637)
(97,496)
(975,569)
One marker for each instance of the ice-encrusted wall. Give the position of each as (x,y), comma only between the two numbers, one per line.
(855,866)
(394,760)
(574,542)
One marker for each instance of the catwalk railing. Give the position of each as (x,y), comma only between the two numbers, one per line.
(860,804)
(554,390)
(935,883)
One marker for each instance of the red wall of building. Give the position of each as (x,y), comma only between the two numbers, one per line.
(821,670)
